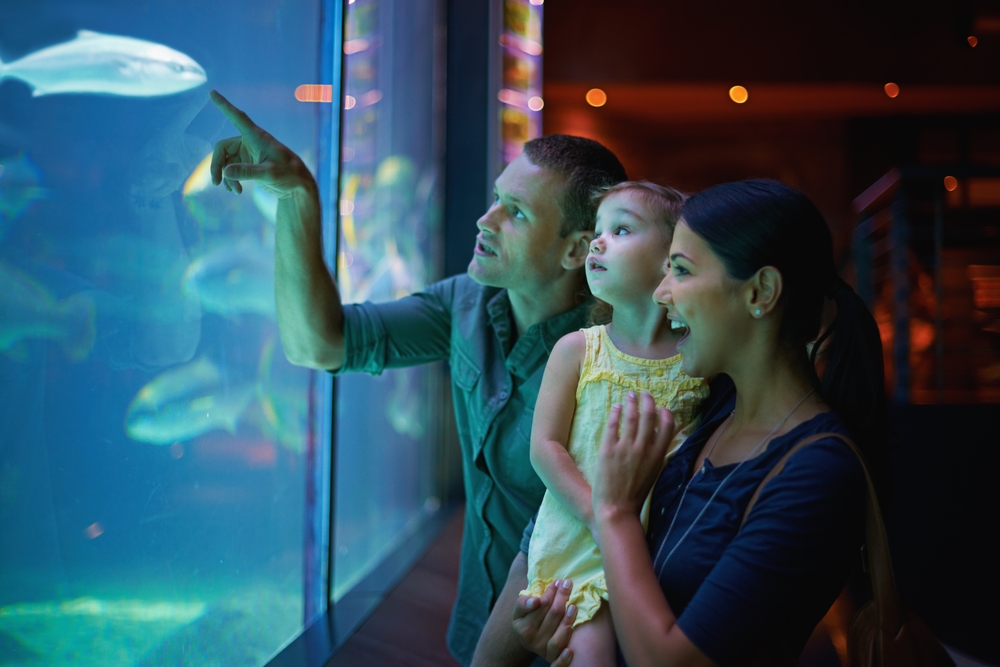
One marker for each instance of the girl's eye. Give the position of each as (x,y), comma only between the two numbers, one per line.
(620,231)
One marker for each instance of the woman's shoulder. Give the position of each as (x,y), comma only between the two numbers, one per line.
(822,463)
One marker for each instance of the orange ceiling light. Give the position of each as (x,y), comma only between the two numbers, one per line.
(597,97)
(891,89)
(314,92)
(739,94)
(972,40)
(950,183)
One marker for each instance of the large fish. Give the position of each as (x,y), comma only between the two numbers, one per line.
(185,402)
(29,312)
(97,63)
(233,279)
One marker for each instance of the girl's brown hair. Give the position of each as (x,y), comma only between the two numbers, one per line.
(665,204)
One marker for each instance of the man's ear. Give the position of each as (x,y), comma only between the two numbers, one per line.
(576,249)
(764,290)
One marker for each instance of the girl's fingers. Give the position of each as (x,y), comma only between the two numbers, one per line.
(665,433)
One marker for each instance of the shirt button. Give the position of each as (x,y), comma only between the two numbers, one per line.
(663,511)
(503,395)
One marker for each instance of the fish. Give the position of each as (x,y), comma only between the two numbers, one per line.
(184,402)
(93,62)
(29,312)
(282,410)
(233,279)
(20,185)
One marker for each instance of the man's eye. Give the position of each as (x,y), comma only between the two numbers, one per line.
(519,214)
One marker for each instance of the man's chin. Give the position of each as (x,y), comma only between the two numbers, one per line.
(482,276)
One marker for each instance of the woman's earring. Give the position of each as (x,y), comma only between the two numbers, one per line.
(756,313)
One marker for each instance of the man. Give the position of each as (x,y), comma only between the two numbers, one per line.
(496,325)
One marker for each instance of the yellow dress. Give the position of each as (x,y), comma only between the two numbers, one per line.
(561,545)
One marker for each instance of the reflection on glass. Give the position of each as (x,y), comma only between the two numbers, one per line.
(390,221)
(151,431)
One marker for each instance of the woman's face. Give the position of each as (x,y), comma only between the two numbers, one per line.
(702,298)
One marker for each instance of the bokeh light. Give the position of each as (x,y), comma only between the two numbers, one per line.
(349,101)
(596,97)
(536,103)
(738,94)
(314,92)
(950,183)
(891,89)
(972,40)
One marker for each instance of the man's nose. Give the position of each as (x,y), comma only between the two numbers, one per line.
(489,222)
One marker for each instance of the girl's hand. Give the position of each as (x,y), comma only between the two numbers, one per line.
(631,456)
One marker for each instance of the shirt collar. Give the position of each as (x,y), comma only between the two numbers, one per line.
(549,331)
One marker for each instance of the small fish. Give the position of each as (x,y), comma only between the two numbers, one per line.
(187,419)
(97,63)
(185,402)
(233,279)
(20,185)
(29,312)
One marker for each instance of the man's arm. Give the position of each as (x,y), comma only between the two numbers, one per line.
(310,315)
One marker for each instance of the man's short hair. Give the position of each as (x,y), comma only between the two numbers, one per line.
(587,167)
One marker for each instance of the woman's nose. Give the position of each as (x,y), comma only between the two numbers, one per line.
(663,295)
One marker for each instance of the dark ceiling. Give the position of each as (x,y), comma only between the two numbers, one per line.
(644,41)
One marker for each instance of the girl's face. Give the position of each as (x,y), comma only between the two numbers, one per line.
(628,252)
(700,297)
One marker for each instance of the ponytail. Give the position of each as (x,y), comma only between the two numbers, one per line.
(853,376)
(756,223)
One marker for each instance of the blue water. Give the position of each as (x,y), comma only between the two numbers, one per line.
(152,434)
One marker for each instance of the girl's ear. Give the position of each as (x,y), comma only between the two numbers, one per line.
(764,291)
(577,249)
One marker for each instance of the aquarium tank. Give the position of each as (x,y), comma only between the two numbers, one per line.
(172,490)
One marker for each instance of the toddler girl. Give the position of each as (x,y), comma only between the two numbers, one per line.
(589,371)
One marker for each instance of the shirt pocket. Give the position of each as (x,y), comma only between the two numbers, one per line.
(464,373)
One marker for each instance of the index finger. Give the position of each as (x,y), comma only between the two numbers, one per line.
(236,116)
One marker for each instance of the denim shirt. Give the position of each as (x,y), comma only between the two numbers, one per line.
(495,376)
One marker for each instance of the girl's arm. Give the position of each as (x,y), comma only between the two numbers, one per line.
(645,624)
(554,412)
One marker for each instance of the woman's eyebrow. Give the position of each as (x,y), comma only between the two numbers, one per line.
(678,255)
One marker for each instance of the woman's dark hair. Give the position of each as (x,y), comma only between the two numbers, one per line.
(665,205)
(758,223)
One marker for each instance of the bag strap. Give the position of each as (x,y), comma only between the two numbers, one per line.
(880,570)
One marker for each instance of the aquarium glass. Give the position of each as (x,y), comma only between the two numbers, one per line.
(387,434)
(152,434)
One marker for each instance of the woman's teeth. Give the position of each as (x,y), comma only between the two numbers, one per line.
(677,325)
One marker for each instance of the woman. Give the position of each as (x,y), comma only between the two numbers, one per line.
(750,271)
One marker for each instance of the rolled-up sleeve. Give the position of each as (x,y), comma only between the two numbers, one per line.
(410,331)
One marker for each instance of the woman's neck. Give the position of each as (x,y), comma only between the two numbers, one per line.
(769,385)
(642,331)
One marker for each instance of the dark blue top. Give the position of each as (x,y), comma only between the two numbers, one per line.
(763,588)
